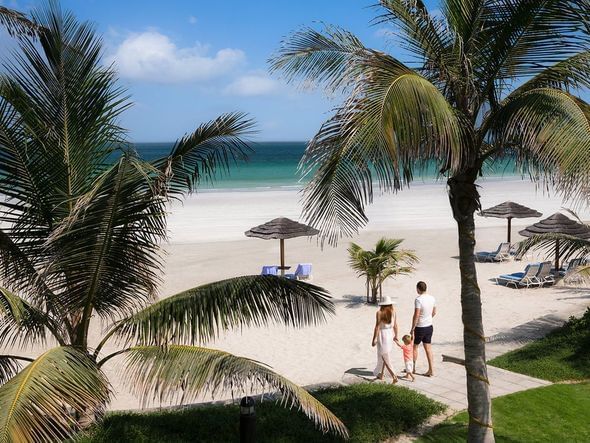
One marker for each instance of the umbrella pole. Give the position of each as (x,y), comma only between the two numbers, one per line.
(509,227)
(556,256)
(282,257)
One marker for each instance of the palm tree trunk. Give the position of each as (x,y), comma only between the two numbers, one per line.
(464,200)
(374,293)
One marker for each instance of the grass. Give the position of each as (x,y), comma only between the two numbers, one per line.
(548,414)
(563,354)
(372,412)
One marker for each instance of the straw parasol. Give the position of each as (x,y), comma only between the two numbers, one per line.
(557,224)
(510,210)
(281,228)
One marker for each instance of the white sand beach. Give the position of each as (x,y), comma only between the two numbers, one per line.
(207,243)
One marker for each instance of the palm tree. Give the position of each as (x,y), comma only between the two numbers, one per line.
(81,226)
(381,263)
(485,79)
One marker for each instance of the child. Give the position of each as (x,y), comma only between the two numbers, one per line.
(408,350)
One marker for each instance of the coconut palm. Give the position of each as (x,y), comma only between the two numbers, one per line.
(381,263)
(485,79)
(83,219)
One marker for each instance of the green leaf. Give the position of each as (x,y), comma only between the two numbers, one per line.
(35,404)
(202,313)
(182,373)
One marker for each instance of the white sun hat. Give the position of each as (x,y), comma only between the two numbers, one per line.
(387,301)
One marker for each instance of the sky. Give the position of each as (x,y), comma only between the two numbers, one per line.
(185,62)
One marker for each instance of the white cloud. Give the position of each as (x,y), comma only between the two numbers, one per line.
(192,20)
(253,84)
(152,56)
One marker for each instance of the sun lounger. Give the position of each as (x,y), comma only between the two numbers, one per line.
(572,264)
(500,254)
(544,276)
(303,272)
(526,278)
(270,270)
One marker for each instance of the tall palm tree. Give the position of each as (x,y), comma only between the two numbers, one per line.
(381,263)
(485,79)
(81,226)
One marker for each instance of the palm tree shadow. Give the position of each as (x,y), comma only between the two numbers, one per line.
(352,301)
(360,372)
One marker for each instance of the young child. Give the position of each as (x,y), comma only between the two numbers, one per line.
(408,350)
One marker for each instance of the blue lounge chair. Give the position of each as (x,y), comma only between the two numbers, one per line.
(303,272)
(500,254)
(270,270)
(526,278)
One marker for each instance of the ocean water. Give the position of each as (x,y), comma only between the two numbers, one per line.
(273,165)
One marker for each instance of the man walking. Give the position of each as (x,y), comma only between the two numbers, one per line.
(424,310)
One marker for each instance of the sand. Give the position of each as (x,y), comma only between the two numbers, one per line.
(207,244)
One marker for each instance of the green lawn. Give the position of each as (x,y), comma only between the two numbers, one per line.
(557,413)
(562,355)
(372,412)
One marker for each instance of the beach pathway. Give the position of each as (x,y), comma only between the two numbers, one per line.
(449,385)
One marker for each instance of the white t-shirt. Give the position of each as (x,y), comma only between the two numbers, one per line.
(426,303)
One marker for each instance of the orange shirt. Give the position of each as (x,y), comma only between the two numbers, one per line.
(408,351)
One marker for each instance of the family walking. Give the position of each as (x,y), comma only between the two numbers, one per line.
(385,335)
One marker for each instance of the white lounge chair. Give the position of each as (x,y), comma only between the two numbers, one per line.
(544,275)
(500,254)
(526,278)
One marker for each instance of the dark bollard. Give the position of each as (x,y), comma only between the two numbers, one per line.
(247,420)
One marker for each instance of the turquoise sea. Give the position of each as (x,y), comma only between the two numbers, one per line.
(273,165)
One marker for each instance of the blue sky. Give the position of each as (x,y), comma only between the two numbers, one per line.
(185,62)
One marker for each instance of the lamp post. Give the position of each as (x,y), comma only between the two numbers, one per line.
(247,420)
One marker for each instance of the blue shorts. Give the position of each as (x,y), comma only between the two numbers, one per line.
(423,335)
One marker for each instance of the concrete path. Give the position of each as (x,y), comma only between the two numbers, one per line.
(448,386)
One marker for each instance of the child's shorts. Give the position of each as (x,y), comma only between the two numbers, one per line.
(409,366)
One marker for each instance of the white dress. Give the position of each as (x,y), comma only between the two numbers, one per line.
(384,347)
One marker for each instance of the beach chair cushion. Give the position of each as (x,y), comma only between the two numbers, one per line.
(270,270)
(303,270)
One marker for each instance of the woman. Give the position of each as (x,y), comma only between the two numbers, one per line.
(383,336)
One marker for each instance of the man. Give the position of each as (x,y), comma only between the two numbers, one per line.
(424,310)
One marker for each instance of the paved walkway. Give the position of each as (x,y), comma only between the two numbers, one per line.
(449,384)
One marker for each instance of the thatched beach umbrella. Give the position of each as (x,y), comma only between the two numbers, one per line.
(510,210)
(557,224)
(281,228)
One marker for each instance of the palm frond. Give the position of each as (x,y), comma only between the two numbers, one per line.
(19,274)
(109,255)
(209,151)
(9,367)
(521,39)
(425,36)
(67,104)
(572,73)
(328,57)
(182,373)
(202,313)
(569,246)
(22,323)
(36,404)
(549,131)
(394,122)
(17,24)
